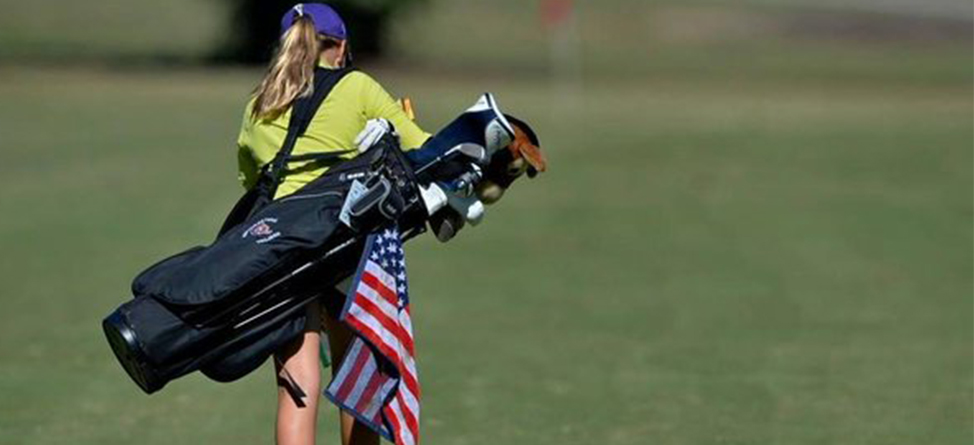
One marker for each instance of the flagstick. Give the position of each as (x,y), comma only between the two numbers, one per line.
(566,69)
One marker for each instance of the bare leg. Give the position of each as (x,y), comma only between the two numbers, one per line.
(297,407)
(339,338)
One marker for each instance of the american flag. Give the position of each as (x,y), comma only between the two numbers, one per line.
(377,381)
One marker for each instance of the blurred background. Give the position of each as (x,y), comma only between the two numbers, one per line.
(756,229)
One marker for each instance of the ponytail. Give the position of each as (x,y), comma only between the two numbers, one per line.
(291,73)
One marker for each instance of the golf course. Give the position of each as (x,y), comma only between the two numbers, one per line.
(756,227)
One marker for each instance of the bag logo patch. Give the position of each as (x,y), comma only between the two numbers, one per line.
(262,230)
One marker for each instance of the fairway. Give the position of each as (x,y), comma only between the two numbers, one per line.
(753,254)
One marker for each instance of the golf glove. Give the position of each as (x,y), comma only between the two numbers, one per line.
(373,131)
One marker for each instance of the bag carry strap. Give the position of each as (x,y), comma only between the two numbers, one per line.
(302,112)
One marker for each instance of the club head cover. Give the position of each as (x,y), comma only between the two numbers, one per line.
(446,223)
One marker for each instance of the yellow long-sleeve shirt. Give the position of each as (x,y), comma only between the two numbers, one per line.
(353,101)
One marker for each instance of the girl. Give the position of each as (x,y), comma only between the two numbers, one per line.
(313,35)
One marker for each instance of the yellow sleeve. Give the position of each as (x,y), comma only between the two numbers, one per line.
(379,104)
(246,164)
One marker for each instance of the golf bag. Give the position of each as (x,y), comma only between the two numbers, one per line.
(224,308)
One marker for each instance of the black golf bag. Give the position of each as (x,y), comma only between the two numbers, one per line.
(224,308)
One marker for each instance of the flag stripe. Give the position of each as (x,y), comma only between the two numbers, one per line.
(409,399)
(344,371)
(368,391)
(405,430)
(390,324)
(368,293)
(349,384)
(367,325)
(355,397)
(395,421)
(388,293)
(373,417)
(410,417)
(388,280)
(373,330)
(375,410)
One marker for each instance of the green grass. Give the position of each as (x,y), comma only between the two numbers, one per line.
(65,31)
(761,239)
(703,41)
(703,264)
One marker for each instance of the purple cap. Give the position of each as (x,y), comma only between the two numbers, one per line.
(326,20)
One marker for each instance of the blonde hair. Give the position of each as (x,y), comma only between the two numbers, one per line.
(291,73)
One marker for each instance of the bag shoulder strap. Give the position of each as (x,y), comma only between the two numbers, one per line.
(302,112)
